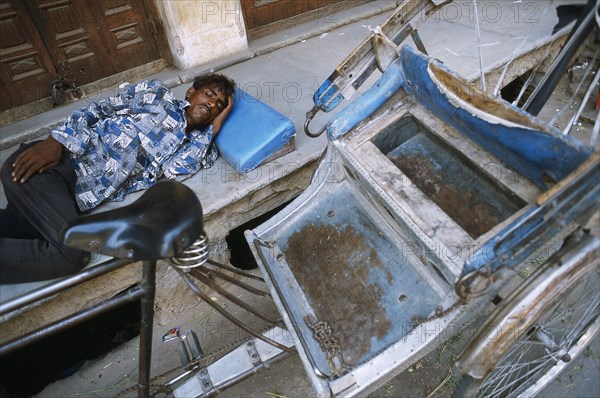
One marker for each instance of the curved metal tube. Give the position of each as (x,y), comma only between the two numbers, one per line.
(229,296)
(227,315)
(309,117)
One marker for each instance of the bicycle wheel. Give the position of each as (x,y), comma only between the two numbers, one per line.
(549,346)
(550,339)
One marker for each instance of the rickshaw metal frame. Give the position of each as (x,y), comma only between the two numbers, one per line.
(547,213)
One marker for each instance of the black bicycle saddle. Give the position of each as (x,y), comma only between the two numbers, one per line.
(161,223)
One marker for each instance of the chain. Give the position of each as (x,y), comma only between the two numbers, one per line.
(324,334)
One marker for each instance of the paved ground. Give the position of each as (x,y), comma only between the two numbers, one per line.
(286,78)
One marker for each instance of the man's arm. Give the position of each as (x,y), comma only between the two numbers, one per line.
(36,160)
(217,123)
(45,155)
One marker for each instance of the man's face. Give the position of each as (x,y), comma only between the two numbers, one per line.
(206,103)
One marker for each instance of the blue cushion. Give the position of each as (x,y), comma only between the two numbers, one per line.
(252,133)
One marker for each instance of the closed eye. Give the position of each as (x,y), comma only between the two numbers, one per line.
(211,94)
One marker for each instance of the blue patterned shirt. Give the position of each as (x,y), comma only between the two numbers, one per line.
(125,143)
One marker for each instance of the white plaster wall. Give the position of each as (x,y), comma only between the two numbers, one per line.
(200,31)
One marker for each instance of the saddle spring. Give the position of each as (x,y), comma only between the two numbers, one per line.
(192,257)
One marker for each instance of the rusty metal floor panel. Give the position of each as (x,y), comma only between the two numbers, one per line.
(470,199)
(346,268)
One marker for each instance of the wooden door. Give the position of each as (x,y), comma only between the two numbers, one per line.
(72,38)
(258,13)
(80,41)
(123,25)
(26,67)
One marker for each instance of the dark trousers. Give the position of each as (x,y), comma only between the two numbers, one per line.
(32,223)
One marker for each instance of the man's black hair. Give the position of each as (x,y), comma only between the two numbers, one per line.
(223,83)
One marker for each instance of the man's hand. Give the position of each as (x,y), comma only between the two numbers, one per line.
(40,158)
(220,119)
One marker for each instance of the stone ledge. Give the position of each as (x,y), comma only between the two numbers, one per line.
(172,296)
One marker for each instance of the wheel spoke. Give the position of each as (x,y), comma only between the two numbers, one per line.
(517,380)
(511,368)
(590,313)
(561,328)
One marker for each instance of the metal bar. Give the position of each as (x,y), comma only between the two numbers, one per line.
(60,285)
(356,68)
(418,42)
(227,315)
(196,273)
(243,285)
(235,270)
(146,292)
(72,320)
(584,101)
(231,368)
(396,27)
(542,92)
(149,287)
(250,372)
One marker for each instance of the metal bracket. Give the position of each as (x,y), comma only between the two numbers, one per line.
(189,348)
(473,284)
(252,353)
(204,377)
(352,72)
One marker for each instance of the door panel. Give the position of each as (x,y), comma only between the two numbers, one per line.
(26,68)
(125,30)
(75,44)
(263,12)
(81,41)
